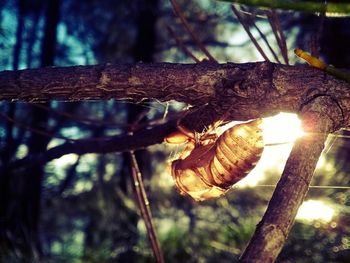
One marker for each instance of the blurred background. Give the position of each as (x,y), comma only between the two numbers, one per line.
(82,208)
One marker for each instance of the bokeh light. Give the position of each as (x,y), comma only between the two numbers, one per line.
(312,210)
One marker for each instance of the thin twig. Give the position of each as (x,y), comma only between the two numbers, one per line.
(262,35)
(274,29)
(282,37)
(135,124)
(279,35)
(181,45)
(190,30)
(247,30)
(141,195)
(143,203)
(34,130)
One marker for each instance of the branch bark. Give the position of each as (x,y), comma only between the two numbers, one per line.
(271,233)
(249,90)
(140,139)
(238,91)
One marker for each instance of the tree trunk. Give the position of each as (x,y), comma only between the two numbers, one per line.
(143,51)
(7,152)
(38,143)
(21,203)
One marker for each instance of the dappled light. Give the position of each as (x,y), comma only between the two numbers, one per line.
(312,210)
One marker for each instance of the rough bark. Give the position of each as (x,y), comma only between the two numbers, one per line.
(272,231)
(248,90)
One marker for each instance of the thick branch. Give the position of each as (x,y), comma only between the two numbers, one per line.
(291,190)
(238,91)
(248,90)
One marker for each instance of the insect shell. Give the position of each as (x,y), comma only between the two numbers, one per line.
(209,167)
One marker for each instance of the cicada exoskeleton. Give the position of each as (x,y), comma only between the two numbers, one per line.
(211,164)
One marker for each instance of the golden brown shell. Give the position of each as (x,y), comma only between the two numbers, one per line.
(210,170)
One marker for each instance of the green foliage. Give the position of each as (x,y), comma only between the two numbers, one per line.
(316,7)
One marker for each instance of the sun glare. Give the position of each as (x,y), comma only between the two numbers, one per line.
(315,210)
(283,127)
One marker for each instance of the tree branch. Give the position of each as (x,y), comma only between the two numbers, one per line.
(246,28)
(236,91)
(190,30)
(121,143)
(291,190)
(273,230)
(249,90)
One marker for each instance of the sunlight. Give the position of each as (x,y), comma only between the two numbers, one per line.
(65,160)
(283,129)
(315,210)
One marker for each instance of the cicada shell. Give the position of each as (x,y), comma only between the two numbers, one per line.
(209,170)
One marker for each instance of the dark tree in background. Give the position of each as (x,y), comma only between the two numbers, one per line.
(144,15)
(81,208)
(22,192)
